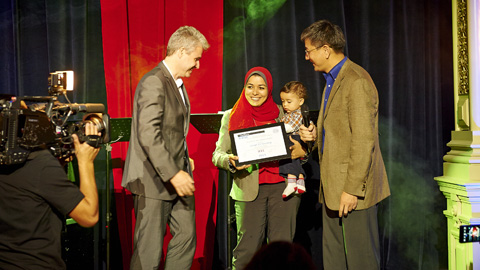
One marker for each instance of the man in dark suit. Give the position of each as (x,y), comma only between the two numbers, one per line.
(158,170)
(352,172)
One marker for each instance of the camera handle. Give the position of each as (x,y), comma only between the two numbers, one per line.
(93,140)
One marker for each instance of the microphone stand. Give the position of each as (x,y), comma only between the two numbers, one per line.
(119,129)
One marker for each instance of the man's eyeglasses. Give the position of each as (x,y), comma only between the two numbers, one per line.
(307,52)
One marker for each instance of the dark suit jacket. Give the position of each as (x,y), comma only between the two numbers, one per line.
(157,149)
(351,159)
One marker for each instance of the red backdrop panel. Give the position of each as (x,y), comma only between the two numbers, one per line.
(135,35)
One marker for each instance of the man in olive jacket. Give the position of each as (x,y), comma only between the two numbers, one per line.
(352,172)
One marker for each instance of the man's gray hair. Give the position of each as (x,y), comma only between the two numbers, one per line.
(324,32)
(187,37)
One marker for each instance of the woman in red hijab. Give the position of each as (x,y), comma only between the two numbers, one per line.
(257,189)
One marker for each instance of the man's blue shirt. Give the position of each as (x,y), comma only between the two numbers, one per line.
(330,77)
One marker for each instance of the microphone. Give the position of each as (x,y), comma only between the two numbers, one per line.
(305,115)
(85,107)
(88,107)
(306,121)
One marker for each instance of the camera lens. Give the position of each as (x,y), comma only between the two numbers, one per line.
(97,121)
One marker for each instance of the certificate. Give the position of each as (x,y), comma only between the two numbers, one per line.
(260,144)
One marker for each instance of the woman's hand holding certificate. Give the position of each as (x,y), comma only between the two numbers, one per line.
(232,159)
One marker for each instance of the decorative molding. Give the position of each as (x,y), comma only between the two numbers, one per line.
(462,36)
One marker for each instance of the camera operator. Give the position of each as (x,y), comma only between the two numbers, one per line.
(35,197)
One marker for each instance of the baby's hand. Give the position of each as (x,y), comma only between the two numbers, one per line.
(296,149)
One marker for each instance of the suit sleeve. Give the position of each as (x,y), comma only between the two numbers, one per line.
(363,107)
(151,101)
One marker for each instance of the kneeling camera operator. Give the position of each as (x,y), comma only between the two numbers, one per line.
(35,193)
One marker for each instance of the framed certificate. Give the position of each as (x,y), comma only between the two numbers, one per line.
(260,144)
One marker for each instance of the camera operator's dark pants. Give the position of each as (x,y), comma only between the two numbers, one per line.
(351,242)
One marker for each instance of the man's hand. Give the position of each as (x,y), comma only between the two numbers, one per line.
(183,183)
(232,160)
(296,149)
(348,203)
(84,152)
(308,134)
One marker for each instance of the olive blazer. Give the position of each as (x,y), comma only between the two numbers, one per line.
(351,160)
(157,149)
(245,184)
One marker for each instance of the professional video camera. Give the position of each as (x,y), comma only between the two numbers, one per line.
(33,123)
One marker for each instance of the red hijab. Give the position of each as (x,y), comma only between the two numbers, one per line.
(243,113)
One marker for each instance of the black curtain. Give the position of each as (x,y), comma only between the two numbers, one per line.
(45,36)
(39,37)
(406,46)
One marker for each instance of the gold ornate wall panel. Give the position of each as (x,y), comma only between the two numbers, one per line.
(460,182)
(462,37)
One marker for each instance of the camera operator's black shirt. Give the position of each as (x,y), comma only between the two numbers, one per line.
(34,199)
